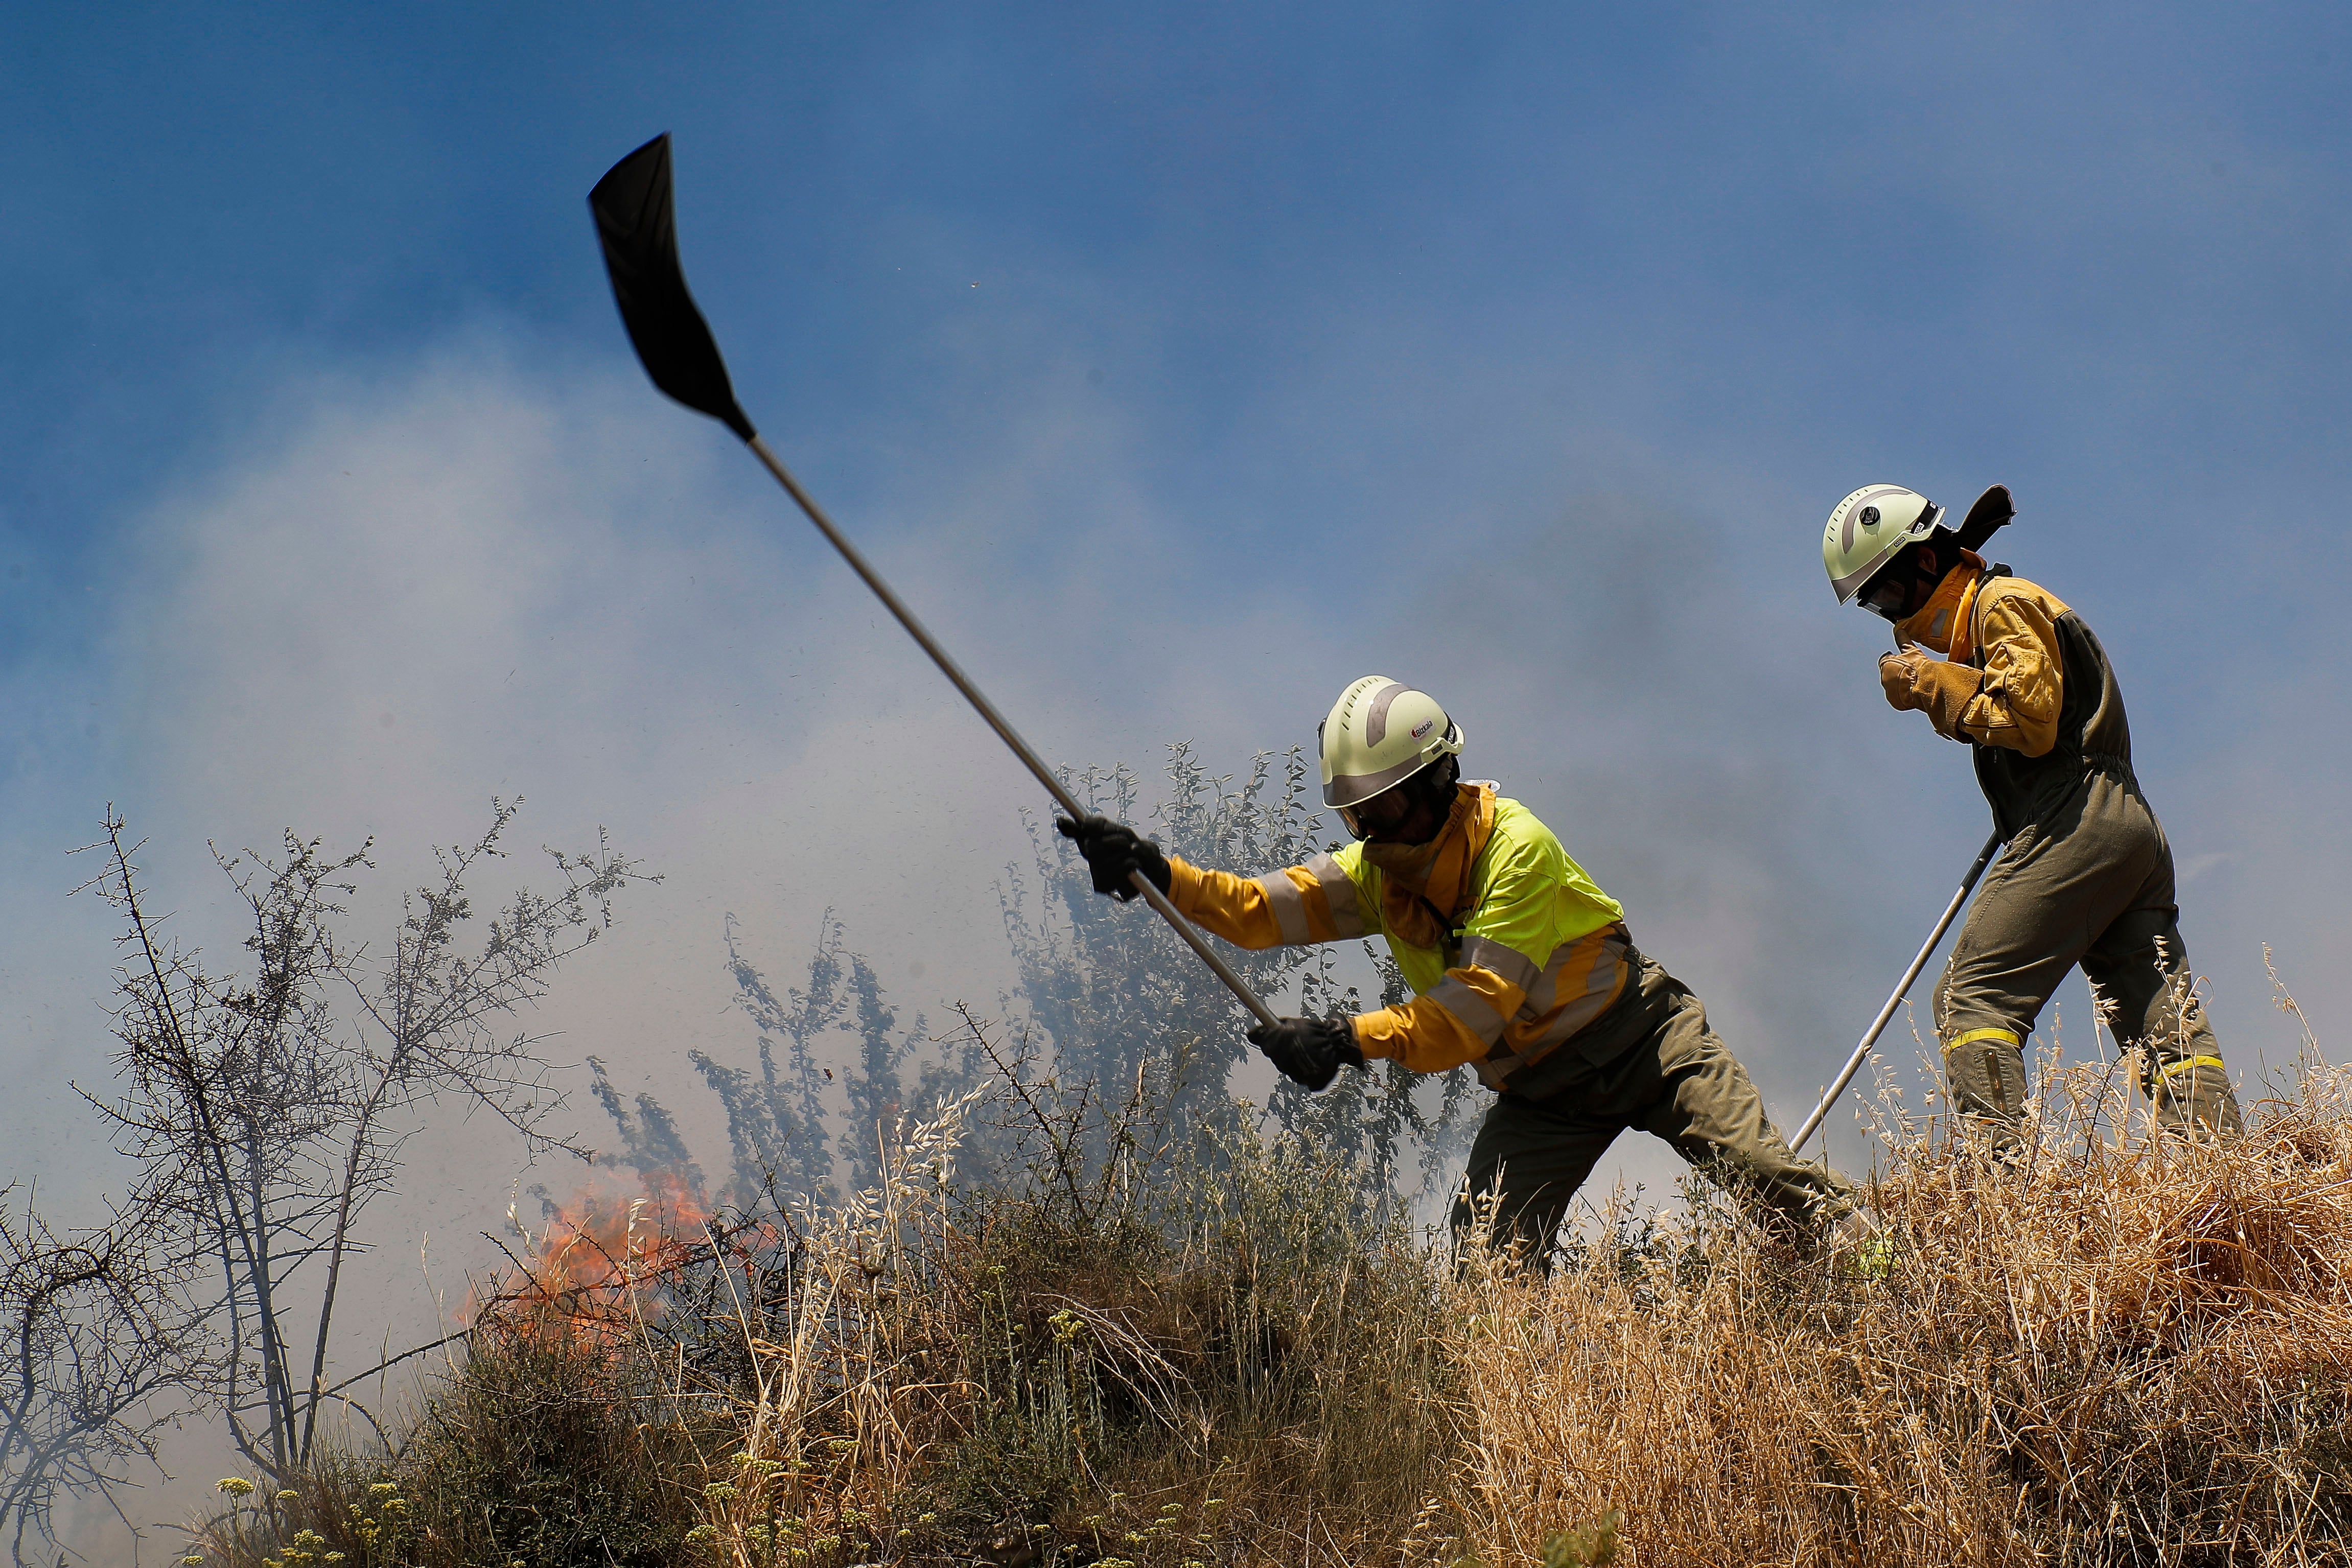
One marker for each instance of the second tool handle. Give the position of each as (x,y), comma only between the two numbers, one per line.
(1902,989)
(996,721)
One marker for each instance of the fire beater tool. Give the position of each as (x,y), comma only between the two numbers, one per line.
(635,221)
(1862,1052)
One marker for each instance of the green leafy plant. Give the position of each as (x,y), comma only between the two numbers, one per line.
(1586,1545)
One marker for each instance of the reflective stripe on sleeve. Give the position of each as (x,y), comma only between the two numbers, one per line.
(1475,1012)
(1508,962)
(1288,905)
(1599,991)
(1589,969)
(1340,892)
(1585,993)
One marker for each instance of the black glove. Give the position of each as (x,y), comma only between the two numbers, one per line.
(1308,1050)
(1113,850)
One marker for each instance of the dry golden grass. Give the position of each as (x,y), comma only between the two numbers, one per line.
(1208,1367)
(2126,1349)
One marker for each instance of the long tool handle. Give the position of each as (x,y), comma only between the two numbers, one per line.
(1862,1052)
(996,721)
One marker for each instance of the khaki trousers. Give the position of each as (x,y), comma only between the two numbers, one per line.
(1675,1080)
(2091,884)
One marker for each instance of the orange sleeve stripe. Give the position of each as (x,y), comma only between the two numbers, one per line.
(1459,1021)
(1479,999)
(1287,908)
(1422,1034)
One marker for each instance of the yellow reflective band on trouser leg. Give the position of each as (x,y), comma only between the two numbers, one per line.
(2201,1102)
(2006,1036)
(1984,1073)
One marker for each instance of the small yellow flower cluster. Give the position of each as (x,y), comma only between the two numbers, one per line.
(308,1548)
(1169,1526)
(380,1532)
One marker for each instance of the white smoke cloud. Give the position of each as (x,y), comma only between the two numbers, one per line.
(406,597)
(480,576)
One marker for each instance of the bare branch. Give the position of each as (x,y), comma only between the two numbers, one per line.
(264,1110)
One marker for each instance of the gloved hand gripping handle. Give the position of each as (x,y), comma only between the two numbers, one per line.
(1310,1051)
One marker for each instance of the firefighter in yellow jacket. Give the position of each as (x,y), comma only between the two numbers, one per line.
(2086,877)
(1520,966)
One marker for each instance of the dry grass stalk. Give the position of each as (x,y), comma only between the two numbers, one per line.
(845,1399)
(1165,1363)
(2122,1348)
(2127,1348)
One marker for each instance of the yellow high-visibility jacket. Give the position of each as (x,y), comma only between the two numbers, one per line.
(1538,952)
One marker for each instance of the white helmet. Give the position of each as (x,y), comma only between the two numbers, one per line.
(1867,530)
(1380,733)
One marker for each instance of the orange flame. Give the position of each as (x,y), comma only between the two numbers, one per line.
(598,1267)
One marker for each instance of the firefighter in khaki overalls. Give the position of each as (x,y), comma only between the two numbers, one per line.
(1520,966)
(2087,875)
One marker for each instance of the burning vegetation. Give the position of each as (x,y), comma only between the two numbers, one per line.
(601,1265)
(1134,1347)
(1078,1306)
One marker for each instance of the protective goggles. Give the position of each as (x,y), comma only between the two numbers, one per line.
(1885,594)
(1385,810)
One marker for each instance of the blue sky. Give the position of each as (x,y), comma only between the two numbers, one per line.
(1182,363)
(2103,245)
